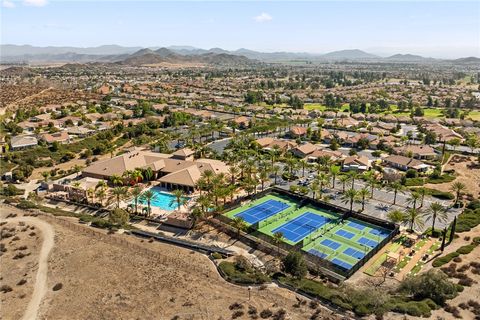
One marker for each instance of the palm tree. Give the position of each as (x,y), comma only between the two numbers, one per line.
(372,183)
(323,180)
(101,194)
(277,239)
(414,218)
(195,215)
(434,212)
(363,193)
(334,172)
(395,187)
(275,170)
(101,184)
(233,172)
(350,196)
(263,177)
(205,203)
(414,197)
(239,224)
(458,188)
(136,176)
(303,164)
(147,197)
(344,179)
(179,198)
(116,180)
(352,175)
(136,192)
(148,174)
(396,216)
(119,193)
(423,192)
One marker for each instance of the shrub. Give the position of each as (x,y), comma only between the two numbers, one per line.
(467,282)
(237,314)
(235,306)
(241,276)
(267,313)
(467,220)
(433,284)
(217,255)
(438,262)
(466,249)
(101,223)
(294,264)
(57,287)
(25,204)
(5,288)
(21,282)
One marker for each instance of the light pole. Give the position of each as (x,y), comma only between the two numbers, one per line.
(249,292)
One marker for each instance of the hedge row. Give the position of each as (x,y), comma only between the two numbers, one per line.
(462,250)
(233,274)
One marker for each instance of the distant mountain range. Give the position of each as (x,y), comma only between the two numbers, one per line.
(187,54)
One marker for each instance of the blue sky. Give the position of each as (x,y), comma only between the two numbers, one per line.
(439,29)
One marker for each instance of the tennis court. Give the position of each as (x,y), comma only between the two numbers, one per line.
(298,228)
(262,211)
(367,242)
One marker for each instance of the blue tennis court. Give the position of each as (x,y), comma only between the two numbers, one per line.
(342,264)
(301,226)
(367,242)
(345,234)
(354,253)
(318,253)
(380,233)
(262,211)
(356,225)
(331,244)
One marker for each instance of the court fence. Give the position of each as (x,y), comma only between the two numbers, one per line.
(263,242)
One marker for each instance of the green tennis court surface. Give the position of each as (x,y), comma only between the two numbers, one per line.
(321,232)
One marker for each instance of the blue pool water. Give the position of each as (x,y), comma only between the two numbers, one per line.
(162,200)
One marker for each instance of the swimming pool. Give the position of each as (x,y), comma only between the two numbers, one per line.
(162,200)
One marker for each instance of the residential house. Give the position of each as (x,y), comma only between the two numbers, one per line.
(22,142)
(296,132)
(405,163)
(303,150)
(417,151)
(356,162)
(61,137)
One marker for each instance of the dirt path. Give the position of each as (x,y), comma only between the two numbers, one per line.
(40,288)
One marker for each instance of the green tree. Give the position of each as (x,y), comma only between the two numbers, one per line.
(239,225)
(349,196)
(458,188)
(436,212)
(414,218)
(295,265)
(334,172)
(363,194)
(395,187)
(136,192)
(148,196)
(118,216)
(179,198)
(396,216)
(119,193)
(277,239)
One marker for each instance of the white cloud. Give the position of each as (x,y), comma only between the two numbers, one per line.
(35,3)
(263,17)
(8,4)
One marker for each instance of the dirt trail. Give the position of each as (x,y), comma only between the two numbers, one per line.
(40,288)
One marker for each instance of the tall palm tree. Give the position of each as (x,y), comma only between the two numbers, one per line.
(303,163)
(147,197)
(136,192)
(344,179)
(101,185)
(363,194)
(334,172)
(350,196)
(119,193)
(263,178)
(413,199)
(275,170)
(395,187)
(436,212)
(314,188)
(101,194)
(372,183)
(352,175)
(323,180)
(239,224)
(91,193)
(396,216)
(205,203)
(458,188)
(179,198)
(45,175)
(422,192)
(414,218)
(233,172)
